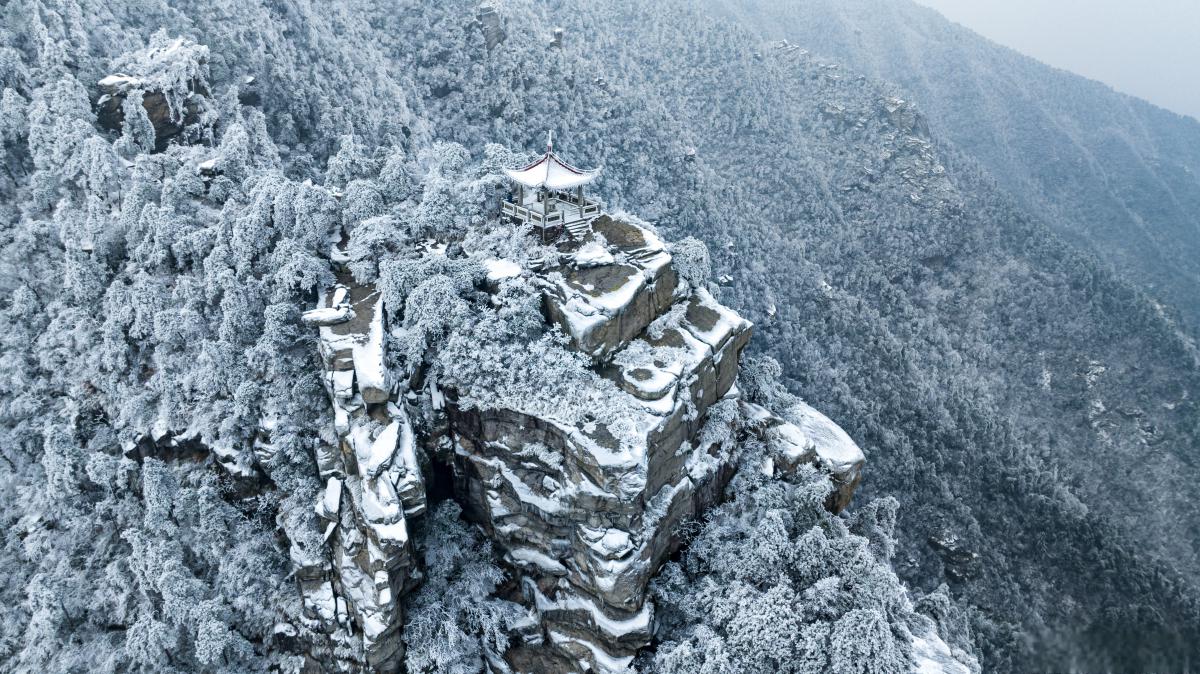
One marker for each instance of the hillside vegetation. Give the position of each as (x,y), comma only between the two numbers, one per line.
(1020,388)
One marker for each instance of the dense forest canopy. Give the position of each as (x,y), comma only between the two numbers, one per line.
(173,172)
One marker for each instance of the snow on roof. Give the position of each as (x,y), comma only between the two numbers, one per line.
(551,172)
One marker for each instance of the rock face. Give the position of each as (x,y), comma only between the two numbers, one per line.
(111,114)
(584,511)
(374,485)
(170,78)
(491,25)
(584,519)
(959,562)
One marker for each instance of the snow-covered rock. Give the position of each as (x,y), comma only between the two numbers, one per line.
(602,307)
(583,508)
(592,254)
(171,76)
(327,315)
(586,510)
(931,655)
(374,483)
(810,437)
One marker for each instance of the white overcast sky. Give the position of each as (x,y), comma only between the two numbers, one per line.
(1148,48)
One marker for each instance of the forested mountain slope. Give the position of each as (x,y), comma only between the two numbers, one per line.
(1110,172)
(180,186)
(1004,379)
(1033,413)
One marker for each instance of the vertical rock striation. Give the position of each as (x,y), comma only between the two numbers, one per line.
(374,486)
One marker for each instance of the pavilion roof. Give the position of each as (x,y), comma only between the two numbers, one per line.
(551,172)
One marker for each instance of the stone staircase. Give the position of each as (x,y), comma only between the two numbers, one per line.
(643,255)
(578,230)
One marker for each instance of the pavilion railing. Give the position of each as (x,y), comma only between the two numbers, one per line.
(529,215)
(583,204)
(574,210)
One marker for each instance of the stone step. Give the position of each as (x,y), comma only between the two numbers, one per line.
(580,230)
(644,254)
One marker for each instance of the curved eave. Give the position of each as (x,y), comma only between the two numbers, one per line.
(552,173)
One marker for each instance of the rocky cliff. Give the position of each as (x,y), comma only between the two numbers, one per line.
(584,506)
(582,489)
(583,516)
(374,484)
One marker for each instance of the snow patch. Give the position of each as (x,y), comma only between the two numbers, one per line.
(593,254)
(542,561)
(120,82)
(640,622)
(931,655)
(328,315)
(499,269)
(373,456)
(331,499)
(605,663)
(368,355)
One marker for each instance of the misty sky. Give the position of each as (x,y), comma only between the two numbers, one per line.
(1148,48)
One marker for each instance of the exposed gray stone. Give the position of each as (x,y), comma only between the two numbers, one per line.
(374,486)
(491,24)
(582,520)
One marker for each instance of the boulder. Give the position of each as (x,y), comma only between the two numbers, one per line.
(810,437)
(170,75)
(491,25)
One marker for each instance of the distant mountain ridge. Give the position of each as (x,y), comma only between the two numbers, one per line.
(1111,172)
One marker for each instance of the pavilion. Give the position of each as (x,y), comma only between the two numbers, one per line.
(549,194)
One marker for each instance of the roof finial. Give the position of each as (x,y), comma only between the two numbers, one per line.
(549,142)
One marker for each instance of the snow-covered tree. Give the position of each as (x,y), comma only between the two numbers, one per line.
(772,566)
(453,620)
